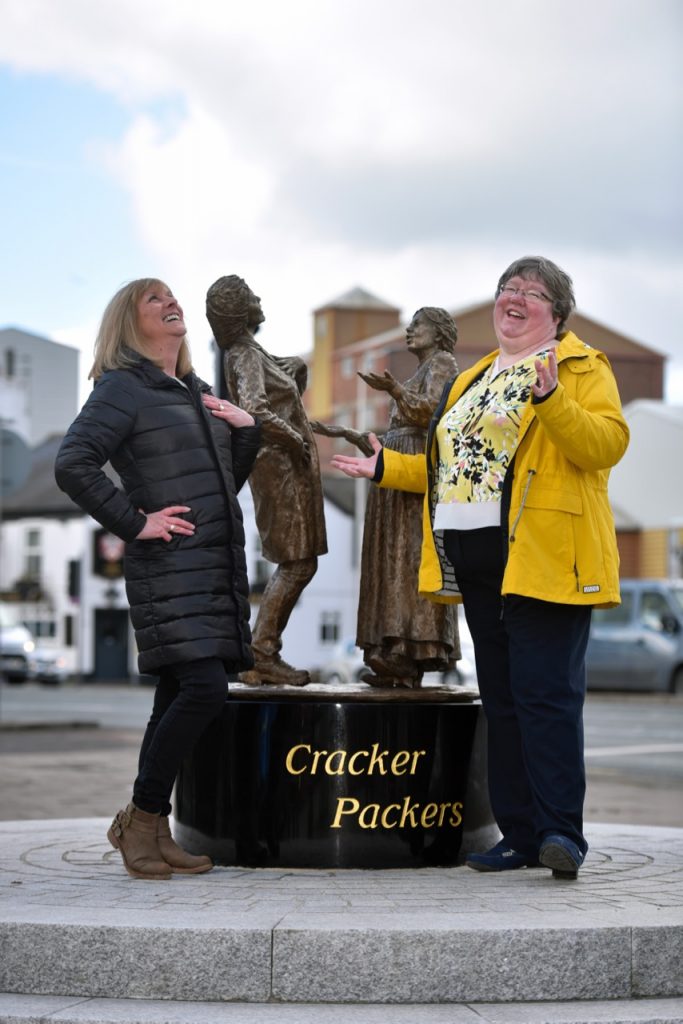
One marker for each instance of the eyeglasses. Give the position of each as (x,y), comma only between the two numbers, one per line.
(527,293)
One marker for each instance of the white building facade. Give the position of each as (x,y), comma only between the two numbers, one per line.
(81,611)
(38,384)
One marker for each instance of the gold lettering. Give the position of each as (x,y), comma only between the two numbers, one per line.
(385,816)
(362,817)
(339,762)
(429,812)
(409,812)
(352,761)
(340,755)
(377,759)
(289,762)
(399,762)
(406,815)
(317,754)
(456,817)
(341,801)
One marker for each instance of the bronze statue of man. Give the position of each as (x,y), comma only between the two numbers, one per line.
(285,481)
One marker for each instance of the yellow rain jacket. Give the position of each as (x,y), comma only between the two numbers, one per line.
(556,519)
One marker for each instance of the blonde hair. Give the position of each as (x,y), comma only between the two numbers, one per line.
(119,337)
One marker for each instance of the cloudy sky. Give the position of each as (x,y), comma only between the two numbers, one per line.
(413,147)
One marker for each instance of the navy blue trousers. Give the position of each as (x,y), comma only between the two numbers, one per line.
(530,658)
(188,696)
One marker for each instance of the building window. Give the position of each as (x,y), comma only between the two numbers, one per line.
(33,538)
(69,636)
(33,565)
(320,326)
(10,363)
(41,628)
(347,367)
(330,627)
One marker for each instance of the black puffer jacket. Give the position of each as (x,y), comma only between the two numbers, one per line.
(189,596)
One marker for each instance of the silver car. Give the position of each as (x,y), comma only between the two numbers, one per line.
(16,646)
(639,644)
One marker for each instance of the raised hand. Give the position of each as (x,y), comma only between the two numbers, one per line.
(546,375)
(381,382)
(355,466)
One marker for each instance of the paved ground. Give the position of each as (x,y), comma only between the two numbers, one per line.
(47,862)
(86,772)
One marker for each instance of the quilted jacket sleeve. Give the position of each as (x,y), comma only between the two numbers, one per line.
(246,442)
(100,429)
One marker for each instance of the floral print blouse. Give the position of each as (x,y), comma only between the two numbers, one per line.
(477,439)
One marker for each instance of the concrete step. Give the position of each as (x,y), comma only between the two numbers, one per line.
(73,924)
(70,1010)
(342,958)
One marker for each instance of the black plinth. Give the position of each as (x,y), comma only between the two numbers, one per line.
(330,780)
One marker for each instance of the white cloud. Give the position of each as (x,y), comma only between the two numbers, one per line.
(415,149)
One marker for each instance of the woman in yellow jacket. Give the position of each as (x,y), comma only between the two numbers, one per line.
(517,525)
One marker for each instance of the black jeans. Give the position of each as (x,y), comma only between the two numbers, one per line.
(187,697)
(530,659)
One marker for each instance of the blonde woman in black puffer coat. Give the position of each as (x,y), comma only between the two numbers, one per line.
(181,466)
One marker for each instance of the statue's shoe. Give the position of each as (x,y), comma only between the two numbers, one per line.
(275,672)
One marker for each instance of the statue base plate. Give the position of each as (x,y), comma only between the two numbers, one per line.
(348,777)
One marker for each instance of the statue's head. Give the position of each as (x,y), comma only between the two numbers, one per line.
(442,326)
(232,309)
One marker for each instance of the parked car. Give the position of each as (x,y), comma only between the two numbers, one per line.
(48,666)
(16,646)
(346,664)
(639,644)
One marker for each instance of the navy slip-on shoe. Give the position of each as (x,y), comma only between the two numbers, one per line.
(500,857)
(561,855)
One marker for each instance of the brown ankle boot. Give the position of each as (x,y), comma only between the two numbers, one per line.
(181,862)
(134,833)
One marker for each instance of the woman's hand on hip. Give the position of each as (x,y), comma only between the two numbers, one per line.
(224,410)
(165,523)
(354,466)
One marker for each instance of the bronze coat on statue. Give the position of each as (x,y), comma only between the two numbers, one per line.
(392,616)
(287,491)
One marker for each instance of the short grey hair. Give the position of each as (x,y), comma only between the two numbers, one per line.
(557,283)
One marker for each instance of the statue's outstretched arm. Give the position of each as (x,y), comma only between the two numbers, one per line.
(355,437)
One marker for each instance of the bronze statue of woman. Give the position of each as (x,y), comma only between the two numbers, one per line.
(403,635)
